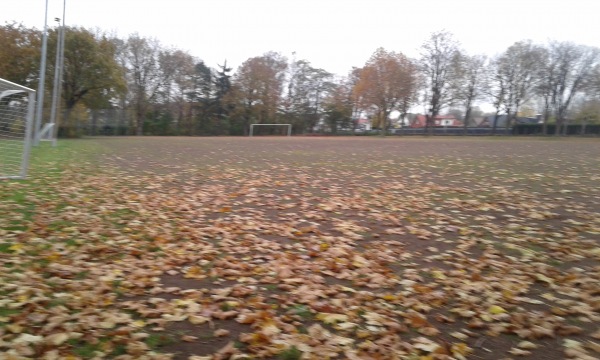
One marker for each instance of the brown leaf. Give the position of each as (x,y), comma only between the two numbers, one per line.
(220,333)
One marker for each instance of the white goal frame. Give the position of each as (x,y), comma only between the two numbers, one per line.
(289,131)
(17,106)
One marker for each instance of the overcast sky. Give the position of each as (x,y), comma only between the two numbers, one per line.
(332,34)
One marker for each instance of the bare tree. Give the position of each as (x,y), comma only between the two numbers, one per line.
(141,58)
(545,88)
(307,86)
(495,89)
(438,64)
(587,111)
(572,65)
(179,69)
(469,83)
(519,67)
(593,83)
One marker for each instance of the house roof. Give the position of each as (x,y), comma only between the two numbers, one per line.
(421,120)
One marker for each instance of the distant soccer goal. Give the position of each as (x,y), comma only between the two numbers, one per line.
(16,121)
(270,129)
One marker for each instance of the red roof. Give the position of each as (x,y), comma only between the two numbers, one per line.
(439,120)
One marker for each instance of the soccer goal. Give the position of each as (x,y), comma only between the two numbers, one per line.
(16,122)
(270,129)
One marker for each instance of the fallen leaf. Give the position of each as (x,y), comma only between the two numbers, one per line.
(329,318)
(495,310)
(220,333)
(56,339)
(519,352)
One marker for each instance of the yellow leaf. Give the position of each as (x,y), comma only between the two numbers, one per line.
(53,257)
(193,272)
(508,294)
(437,274)
(495,310)
(138,323)
(329,318)
(16,248)
(460,350)
(486,317)
(324,246)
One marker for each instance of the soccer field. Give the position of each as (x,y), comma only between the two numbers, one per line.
(303,248)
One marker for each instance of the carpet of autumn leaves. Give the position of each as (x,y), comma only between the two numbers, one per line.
(303,248)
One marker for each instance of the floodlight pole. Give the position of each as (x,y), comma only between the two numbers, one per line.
(58,71)
(42,79)
(55,98)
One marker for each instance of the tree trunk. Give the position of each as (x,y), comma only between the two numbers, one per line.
(139,125)
(558,126)
(429,123)
(495,124)
(139,119)
(508,120)
(466,124)
(94,122)
(383,126)
(546,116)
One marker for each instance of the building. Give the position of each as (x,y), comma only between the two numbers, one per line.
(488,121)
(420,121)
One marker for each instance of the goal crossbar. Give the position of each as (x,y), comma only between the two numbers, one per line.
(289,129)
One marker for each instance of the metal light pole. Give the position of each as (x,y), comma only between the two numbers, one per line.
(42,79)
(58,72)
(57,80)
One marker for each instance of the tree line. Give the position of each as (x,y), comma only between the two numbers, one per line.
(162,90)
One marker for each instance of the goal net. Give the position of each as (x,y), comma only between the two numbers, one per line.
(270,129)
(16,122)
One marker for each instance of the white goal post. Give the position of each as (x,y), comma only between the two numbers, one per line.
(17,104)
(289,128)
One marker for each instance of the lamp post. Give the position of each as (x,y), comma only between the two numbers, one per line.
(42,80)
(57,79)
(58,71)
